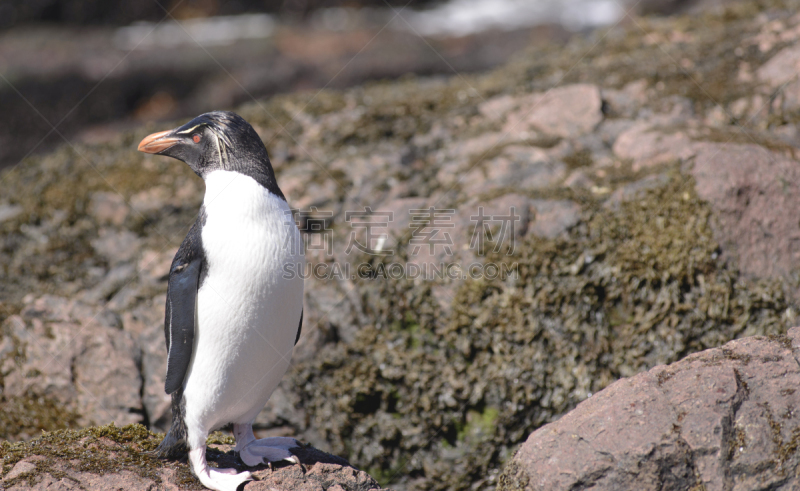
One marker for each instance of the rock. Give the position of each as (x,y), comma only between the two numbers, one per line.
(329,312)
(108,208)
(112,458)
(398,216)
(504,219)
(116,246)
(554,217)
(783,67)
(789,97)
(625,103)
(780,74)
(115,280)
(497,107)
(22,467)
(151,200)
(648,147)
(7,212)
(566,112)
(74,354)
(754,193)
(521,166)
(578,179)
(145,323)
(724,418)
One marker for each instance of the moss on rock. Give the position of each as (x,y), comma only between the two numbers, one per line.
(24,417)
(88,450)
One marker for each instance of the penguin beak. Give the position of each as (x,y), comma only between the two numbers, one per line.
(158,142)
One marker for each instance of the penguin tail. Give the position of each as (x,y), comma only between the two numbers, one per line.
(173,445)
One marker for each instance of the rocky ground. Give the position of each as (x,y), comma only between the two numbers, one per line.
(109,457)
(653,170)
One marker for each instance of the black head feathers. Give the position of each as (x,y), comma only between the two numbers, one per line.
(219,140)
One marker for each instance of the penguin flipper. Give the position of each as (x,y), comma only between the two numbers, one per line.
(181,307)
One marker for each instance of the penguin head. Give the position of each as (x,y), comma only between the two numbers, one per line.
(219,140)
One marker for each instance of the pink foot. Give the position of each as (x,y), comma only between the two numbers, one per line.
(217,479)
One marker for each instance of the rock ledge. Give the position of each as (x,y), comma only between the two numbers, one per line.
(111,457)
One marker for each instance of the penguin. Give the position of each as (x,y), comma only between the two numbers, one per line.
(232,314)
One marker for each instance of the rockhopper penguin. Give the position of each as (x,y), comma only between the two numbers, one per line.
(232,318)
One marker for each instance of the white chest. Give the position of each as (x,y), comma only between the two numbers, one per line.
(248,310)
(248,231)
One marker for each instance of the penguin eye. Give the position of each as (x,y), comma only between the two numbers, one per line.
(196,138)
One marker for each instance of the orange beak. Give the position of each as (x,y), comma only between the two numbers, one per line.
(158,142)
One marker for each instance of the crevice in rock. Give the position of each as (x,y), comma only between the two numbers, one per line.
(667,468)
(728,437)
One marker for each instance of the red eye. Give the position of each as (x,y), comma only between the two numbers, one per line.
(196,138)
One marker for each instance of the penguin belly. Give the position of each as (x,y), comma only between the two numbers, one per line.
(248,312)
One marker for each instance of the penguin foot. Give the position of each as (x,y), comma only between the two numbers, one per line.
(269,450)
(216,479)
(223,479)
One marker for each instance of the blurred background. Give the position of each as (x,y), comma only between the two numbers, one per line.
(85,70)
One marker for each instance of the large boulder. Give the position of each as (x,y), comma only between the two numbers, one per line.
(724,418)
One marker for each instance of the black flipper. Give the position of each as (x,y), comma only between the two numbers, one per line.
(299,329)
(185,276)
(181,301)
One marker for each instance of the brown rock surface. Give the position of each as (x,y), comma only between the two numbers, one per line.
(724,418)
(75,354)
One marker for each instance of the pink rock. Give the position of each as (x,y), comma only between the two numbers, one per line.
(648,147)
(75,354)
(636,190)
(497,107)
(781,68)
(754,194)
(566,112)
(720,419)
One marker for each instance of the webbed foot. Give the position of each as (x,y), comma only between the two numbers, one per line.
(267,450)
